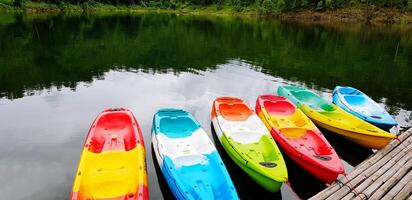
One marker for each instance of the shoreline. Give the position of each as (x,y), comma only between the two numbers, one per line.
(345,15)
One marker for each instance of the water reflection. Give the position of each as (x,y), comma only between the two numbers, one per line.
(47,51)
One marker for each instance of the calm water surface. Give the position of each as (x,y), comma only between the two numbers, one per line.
(58,72)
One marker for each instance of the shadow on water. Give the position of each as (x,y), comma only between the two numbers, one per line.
(351,152)
(304,184)
(245,186)
(164,187)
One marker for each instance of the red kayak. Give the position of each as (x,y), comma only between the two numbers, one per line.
(298,137)
(112,165)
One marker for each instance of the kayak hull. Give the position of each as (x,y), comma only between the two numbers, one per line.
(280,116)
(112,163)
(368,141)
(188,159)
(248,143)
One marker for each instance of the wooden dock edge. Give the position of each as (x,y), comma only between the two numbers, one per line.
(386,174)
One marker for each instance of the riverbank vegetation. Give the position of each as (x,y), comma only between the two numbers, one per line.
(270,7)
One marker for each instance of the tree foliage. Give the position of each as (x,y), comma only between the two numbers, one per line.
(265,6)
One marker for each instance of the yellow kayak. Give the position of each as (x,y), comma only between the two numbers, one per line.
(333,118)
(112,164)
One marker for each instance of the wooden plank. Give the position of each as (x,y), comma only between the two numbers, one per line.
(402,190)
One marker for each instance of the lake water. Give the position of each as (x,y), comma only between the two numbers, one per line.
(58,72)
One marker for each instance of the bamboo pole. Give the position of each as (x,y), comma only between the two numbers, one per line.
(391,182)
(346,198)
(381,165)
(376,180)
(373,160)
(402,190)
(388,148)
(379,154)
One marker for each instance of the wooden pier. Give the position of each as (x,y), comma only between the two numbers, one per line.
(387,174)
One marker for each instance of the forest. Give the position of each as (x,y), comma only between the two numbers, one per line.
(261,6)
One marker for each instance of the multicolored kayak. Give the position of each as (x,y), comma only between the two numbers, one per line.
(187,158)
(112,164)
(298,137)
(247,141)
(333,118)
(360,105)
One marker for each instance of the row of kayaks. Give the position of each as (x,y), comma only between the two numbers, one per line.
(113,166)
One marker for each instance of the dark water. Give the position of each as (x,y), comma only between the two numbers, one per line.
(58,72)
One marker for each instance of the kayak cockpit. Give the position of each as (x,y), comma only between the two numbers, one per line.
(112,131)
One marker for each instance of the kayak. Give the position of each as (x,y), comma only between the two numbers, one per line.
(335,119)
(298,137)
(188,159)
(359,104)
(112,164)
(248,143)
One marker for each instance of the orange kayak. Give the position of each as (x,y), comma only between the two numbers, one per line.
(112,164)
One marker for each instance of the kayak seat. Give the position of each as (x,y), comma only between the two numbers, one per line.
(245,137)
(189,160)
(245,132)
(113,130)
(235,111)
(304,137)
(321,147)
(279,107)
(313,100)
(293,133)
(299,119)
(177,127)
(348,90)
(355,100)
(266,149)
(108,173)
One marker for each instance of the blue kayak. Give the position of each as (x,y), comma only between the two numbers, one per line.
(359,104)
(188,159)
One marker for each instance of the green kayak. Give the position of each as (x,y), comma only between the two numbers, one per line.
(248,142)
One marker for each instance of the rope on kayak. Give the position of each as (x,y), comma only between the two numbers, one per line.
(293,191)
